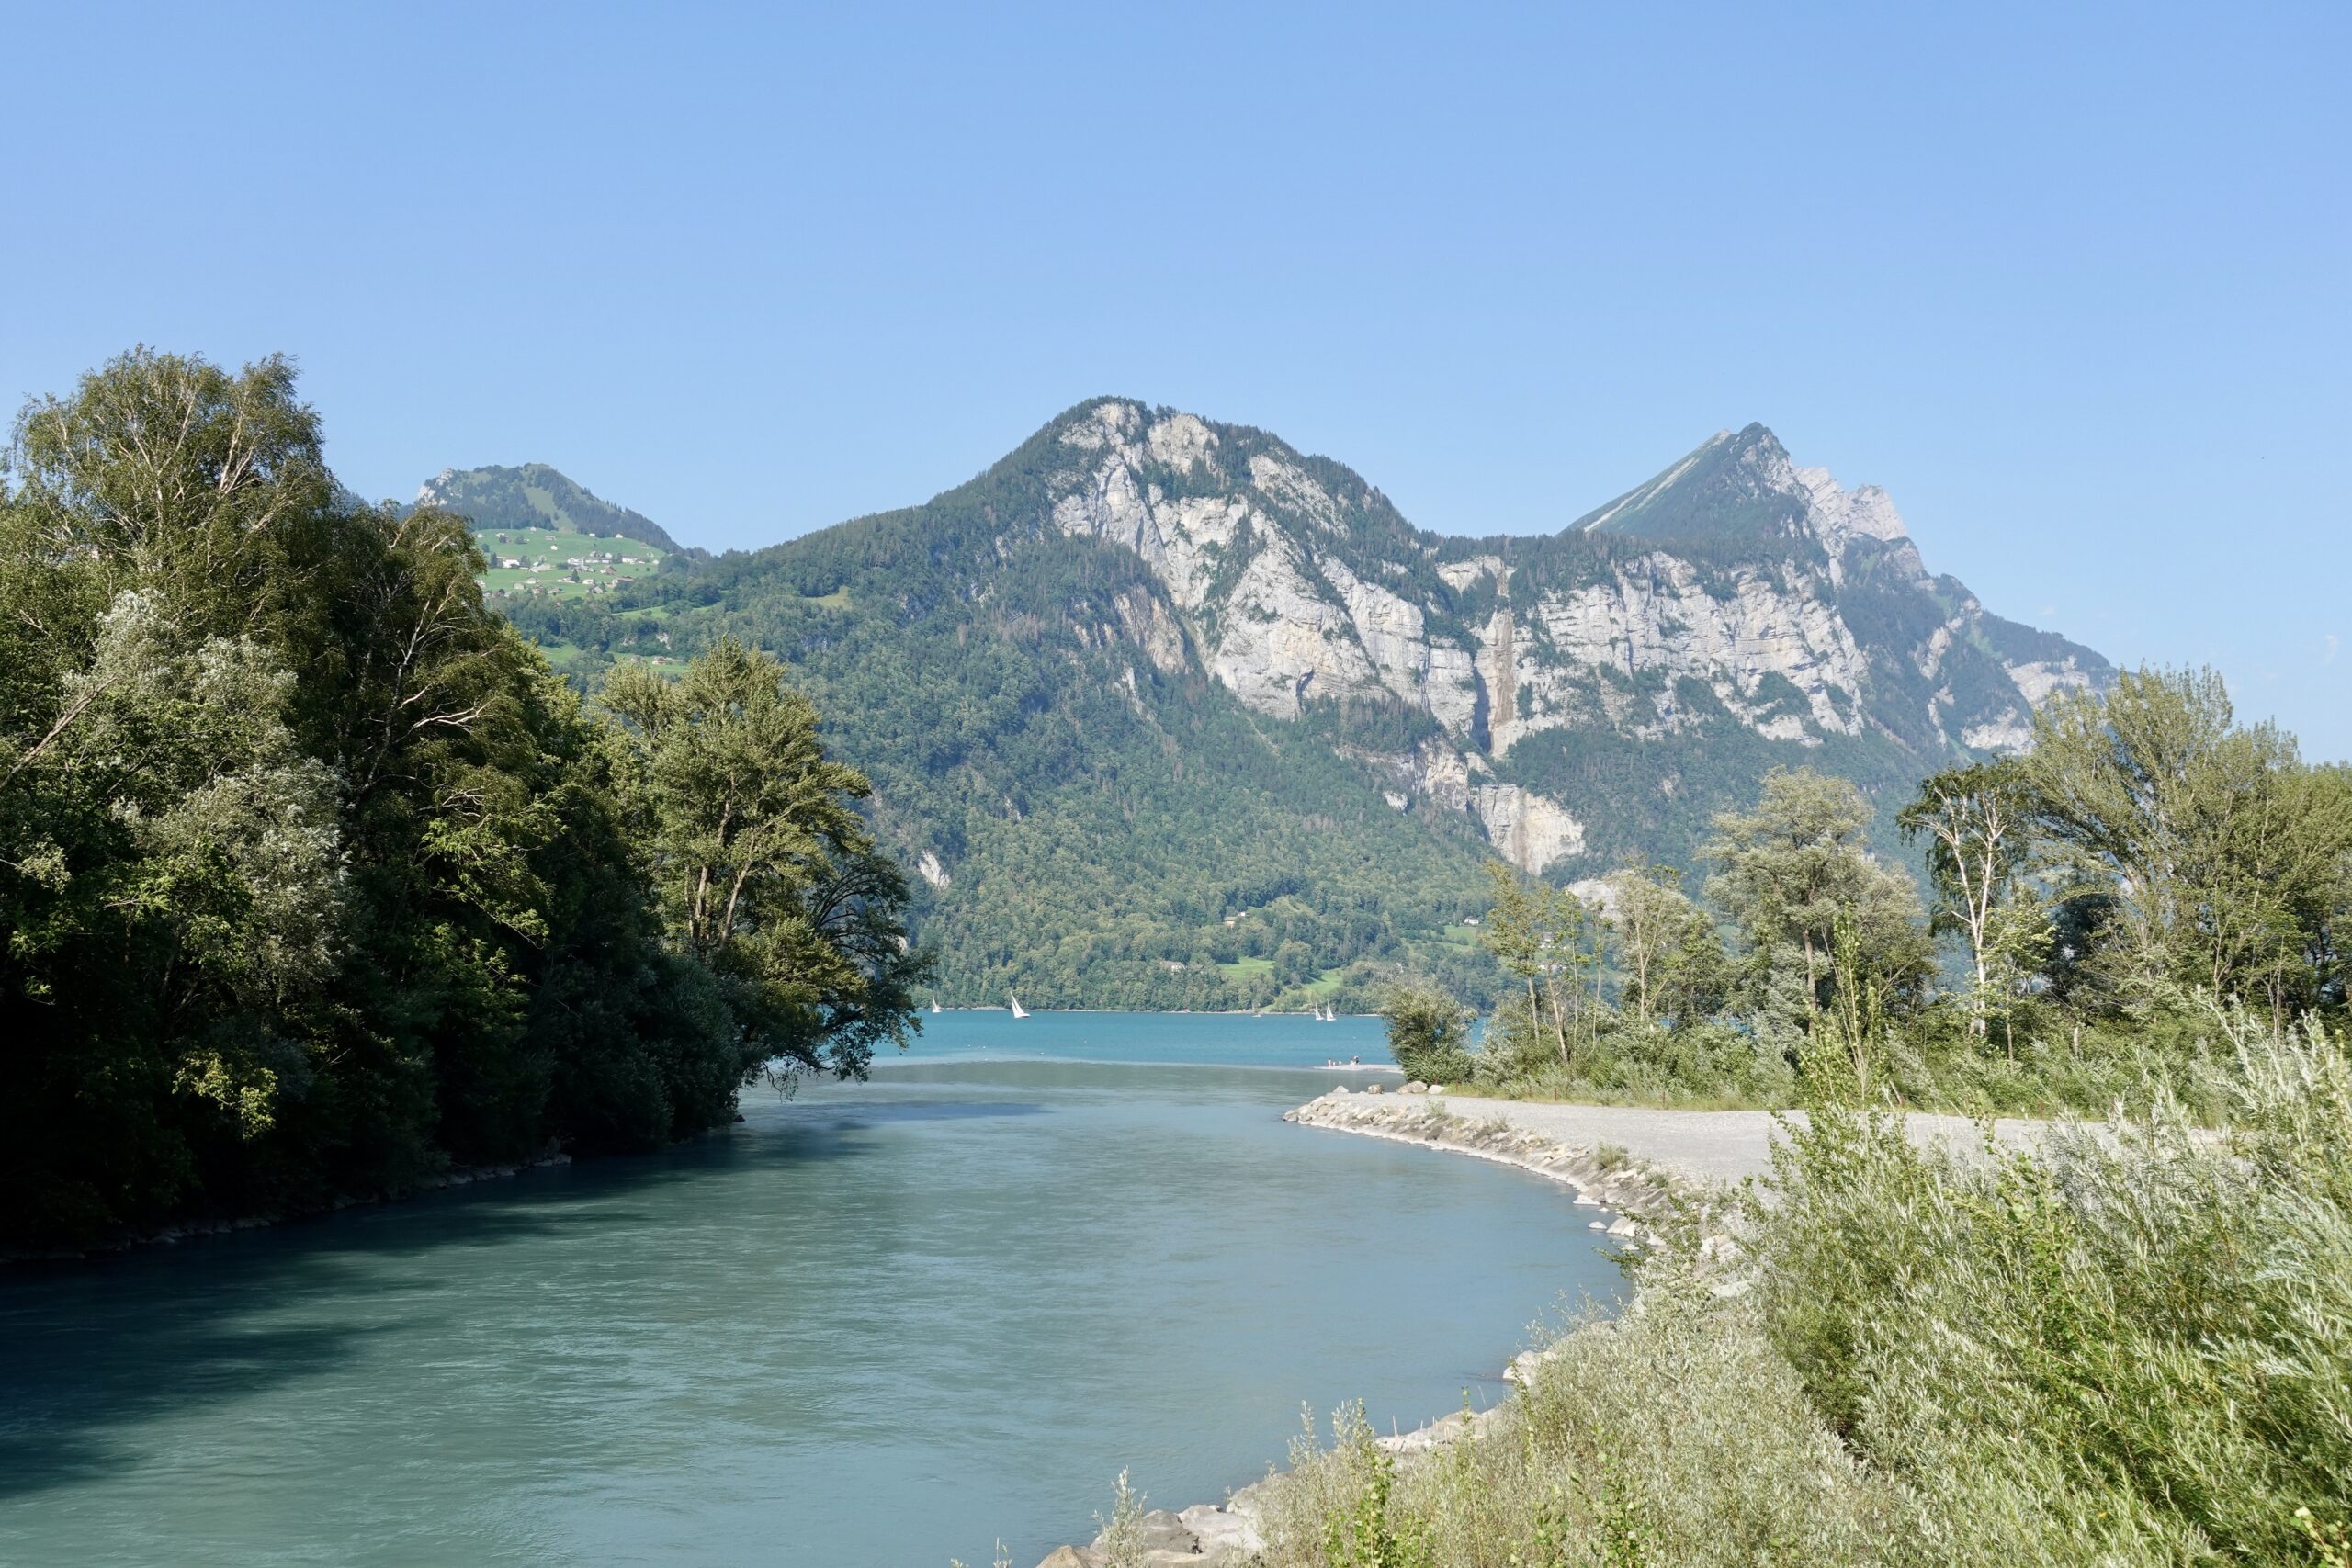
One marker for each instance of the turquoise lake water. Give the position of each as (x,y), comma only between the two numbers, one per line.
(881,1324)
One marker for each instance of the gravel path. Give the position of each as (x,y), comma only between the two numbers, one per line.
(1708,1146)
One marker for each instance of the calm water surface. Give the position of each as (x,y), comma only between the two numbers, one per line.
(882,1324)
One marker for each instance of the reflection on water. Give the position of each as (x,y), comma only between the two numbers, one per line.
(879,1323)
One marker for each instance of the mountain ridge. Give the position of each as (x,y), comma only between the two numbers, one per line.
(1154,674)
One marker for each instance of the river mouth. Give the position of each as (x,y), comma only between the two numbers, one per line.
(880,1324)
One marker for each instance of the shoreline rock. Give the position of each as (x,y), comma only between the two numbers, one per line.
(1637,1192)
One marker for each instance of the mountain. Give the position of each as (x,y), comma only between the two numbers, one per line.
(535,496)
(1167,712)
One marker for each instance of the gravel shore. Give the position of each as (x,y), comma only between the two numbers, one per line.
(1707,1146)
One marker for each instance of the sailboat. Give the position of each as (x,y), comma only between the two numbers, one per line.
(1018,1011)
(935,1004)
(1329,1014)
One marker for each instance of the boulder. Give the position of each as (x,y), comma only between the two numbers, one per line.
(1069,1557)
(1371,1089)
(1222,1536)
(1163,1539)
(1160,1530)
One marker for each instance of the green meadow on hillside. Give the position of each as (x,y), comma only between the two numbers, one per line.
(559,564)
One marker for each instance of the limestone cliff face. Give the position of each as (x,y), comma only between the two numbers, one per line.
(1726,591)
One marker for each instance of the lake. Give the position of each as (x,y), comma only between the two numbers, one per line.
(880,1324)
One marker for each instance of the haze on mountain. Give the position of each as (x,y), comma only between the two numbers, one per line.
(1167,713)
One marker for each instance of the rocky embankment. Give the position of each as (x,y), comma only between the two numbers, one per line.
(1605,1177)
(1630,1198)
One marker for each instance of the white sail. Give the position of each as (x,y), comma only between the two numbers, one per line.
(1018,1011)
(935,1006)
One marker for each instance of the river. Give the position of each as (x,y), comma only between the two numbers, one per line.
(879,1323)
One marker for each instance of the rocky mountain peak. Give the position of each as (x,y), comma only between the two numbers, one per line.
(1742,488)
(1744,605)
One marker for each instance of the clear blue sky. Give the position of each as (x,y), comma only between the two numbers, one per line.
(2073,283)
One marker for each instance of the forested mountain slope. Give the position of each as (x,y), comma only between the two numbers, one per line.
(1167,713)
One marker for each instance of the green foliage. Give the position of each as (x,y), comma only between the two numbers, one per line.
(314,877)
(1122,1533)
(1975,824)
(1787,873)
(2074,989)
(1545,939)
(606,564)
(1429,1034)
(766,873)
(2131,1349)
(2133,1345)
(2212,856)
(1095,807)
(1670,963)
(1368,1536)
(1677,1436)
(1845,1059)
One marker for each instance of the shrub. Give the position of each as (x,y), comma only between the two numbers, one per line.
(2134,1347)
(1429,1034)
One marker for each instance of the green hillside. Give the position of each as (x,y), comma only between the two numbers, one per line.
(537,496)
(1088,829)
(561,564)
(1165,713)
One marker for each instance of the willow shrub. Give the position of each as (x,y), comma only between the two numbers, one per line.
(2137,1344)
(2135,1348)
(1676,1436)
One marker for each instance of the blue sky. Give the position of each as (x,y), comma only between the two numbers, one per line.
(2073,283)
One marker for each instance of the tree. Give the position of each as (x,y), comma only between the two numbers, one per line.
(1429,1034)
(1669,961)
(314,877)
(1546,940)
(769,878)
(1785,873)
(1845,1054)
(1514,931)
(169,840)
(1976,820)
(2212,850)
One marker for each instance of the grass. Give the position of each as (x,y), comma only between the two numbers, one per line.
(2133,1349)
(1323,988)
(1246,969)
(551,548)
